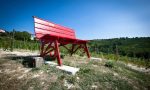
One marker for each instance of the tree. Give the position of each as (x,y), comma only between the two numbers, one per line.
(22,35)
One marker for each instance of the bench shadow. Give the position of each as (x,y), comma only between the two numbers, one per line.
(27,61)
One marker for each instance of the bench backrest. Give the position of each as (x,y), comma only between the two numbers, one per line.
(43,27)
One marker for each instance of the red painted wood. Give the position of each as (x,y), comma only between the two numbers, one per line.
(44,27)
(86,50)
(57,53)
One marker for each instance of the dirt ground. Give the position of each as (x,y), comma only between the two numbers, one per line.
(15,76)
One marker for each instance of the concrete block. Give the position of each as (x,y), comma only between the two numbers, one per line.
(39,61)
(68,69)
(96,59)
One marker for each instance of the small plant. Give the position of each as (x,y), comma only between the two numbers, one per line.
(45,68)
(62,55)
(71,79)
(109,64)
(67,63)
(35,69)
(85,70)
(62,77)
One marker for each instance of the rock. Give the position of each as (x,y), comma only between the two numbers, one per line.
(68,69)
(38,61)
(96,59)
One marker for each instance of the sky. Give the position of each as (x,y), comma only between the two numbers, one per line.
(91,19)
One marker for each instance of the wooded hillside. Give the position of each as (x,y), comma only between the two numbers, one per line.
(132,47)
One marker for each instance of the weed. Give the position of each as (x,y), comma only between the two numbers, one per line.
(109,64)
(85,70)
(62,55)
(67,63)
(32,83)
(71,79)
(35,69)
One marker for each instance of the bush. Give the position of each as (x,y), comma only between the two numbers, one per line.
(109,64)
(62,55)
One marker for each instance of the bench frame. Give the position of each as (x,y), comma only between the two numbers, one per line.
(50,45)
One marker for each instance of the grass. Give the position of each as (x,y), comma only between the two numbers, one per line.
(107,80)
(92,75)
(119,76)
(109,64)
(137,61)
(7,45)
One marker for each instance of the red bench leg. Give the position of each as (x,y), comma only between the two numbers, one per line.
(87,51)
(57,53)
(42,48)
(72,49)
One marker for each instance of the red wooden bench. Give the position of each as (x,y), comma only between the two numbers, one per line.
(52,36)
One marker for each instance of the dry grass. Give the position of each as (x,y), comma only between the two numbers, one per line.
(92,75)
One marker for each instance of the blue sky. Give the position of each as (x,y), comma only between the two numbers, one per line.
(91,19)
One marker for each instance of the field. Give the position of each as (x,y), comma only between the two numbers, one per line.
(93,75)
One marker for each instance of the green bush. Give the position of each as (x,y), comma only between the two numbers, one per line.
(62,55)
(109,64)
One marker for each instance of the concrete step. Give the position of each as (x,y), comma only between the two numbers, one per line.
(68,69)
(97,59)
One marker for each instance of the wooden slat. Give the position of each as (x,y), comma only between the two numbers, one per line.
(45,32)
(52,29)
(44,27)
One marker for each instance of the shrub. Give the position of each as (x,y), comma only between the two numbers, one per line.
(109,64)
(62,55)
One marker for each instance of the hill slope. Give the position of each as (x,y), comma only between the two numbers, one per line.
(97,75)
(132,47)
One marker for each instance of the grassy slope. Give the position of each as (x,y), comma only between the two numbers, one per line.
(120,76)
(92,75)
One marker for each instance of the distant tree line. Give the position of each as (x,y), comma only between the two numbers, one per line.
(132,47)
(18,40)
(18,35)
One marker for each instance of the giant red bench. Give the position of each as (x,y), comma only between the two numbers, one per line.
(52,36)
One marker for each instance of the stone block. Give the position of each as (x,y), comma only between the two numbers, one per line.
(38,61)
